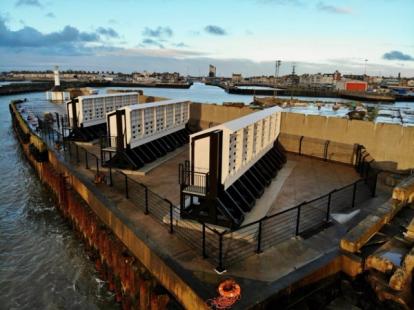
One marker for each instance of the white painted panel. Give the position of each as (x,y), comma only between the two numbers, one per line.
(245,141)
(92,110)
(202,155)
(150,121)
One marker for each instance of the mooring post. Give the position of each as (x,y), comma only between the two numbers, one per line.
(126,186)
(204,240)
(146,199)
(354,194)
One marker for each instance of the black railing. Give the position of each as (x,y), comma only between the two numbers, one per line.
(109,141)
(220,246)
(192,182)
(304,220)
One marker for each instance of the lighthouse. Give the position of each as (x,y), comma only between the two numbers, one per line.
(56,74)
(57,93)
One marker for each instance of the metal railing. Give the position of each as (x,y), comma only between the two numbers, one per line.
(303,220)
(192,182)
(223,247)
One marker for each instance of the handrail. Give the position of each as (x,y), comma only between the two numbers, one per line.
(295,207)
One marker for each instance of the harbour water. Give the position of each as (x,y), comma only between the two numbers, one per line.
(43,265)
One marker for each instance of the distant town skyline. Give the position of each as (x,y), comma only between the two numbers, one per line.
(244,36)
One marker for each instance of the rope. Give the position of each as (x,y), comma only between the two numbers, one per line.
(222,303)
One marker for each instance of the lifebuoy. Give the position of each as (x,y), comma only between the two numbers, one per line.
(229,289)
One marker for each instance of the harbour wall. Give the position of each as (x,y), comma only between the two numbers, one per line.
(20,88)
(312,92)
(391,144)
(132,268)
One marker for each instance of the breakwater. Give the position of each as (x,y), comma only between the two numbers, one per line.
(19,88)
(305,92)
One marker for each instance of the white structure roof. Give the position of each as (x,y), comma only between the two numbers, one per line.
(140,106)
(249,119)
(107,95)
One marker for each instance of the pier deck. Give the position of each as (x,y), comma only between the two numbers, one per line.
(260,276)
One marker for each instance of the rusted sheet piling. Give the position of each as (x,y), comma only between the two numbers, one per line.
(126,276)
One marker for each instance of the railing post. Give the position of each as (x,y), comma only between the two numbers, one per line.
(298,219)
(259,239)
(374,186)
(97,165)
(204,240)
(77,153)
(146,200)
(220,267)
(126,186)
(70,150)
(354,194)
(328,209)
(110,176)
(86,160)
(171,218)
(300,145)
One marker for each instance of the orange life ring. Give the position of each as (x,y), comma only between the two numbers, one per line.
(229,289)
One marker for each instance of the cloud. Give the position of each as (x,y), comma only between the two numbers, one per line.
(68,41)
(159,32)
(215,30)
(333,9)
(165,53)
(180,44)
(107,32)
(397,55)
(152,42)
(29,3)
(50,15)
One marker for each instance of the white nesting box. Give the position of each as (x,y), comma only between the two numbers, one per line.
(91,110)
(244,141)
(147,122)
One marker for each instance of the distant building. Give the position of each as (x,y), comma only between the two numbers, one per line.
(359,77)
(352,85)
(236,77)
(337,76)
(211,71)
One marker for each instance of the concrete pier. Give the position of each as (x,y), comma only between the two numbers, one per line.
(147,266)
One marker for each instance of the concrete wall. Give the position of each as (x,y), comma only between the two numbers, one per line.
(385,142)
(208,115)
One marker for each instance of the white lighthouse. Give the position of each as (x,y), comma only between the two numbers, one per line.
(56,74)
(57,93)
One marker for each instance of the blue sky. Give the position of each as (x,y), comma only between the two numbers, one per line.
(237,36)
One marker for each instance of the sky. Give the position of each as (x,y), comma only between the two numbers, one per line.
(240,36)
